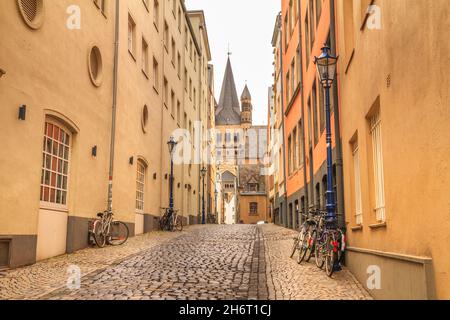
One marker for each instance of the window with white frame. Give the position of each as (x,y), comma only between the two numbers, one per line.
(378,172)
(357,184)
(131,35)
(55,165)
(140,186)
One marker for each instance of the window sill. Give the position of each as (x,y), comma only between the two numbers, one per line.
(156,90)
(349,61)
(379,225)
(52,207)
(357,228)
(132,55)
(145,74)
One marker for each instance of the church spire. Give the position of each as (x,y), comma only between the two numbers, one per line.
(228,111)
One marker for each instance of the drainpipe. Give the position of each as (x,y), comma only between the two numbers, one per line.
(285,213)
(305,174)
(339,161)
(114,106)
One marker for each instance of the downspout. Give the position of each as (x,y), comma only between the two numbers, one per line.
(339,161)
(305,173)
(285,213)
(162,118)
(114,106)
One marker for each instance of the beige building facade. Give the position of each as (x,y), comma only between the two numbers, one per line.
(86,128)
(394,98)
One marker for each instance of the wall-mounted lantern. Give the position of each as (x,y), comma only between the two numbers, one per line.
(22,112)
(94,151)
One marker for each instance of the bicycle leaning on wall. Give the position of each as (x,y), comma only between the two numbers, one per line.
(106,230)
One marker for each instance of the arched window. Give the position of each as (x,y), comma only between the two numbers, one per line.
(140,185)
(55,164)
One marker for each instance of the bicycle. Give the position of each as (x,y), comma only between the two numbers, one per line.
(106,230)
(330,248)
(170,220)
(315,224)
(299,238)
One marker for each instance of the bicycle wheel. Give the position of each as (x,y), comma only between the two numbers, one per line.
(179,224)
(318,252)
(118,234)
(311,245)
(295,246)
(330,257)
(302,248)
(99,236)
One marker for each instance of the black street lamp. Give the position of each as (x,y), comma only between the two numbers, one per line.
(216,193)
(326,68)
(203,174)
(171,144)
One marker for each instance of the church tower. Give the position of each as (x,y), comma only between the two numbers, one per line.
(247,108)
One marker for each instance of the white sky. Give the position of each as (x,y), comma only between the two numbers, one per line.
(247,25)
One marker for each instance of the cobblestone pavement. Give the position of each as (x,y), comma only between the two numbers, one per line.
(204,262)
(34,281)
(290,281)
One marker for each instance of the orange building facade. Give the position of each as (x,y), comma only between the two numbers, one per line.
(305,27)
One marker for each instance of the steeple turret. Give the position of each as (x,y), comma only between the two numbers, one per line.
(247,108)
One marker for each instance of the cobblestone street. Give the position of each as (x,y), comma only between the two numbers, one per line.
(203,262)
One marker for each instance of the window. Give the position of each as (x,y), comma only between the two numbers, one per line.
(286,26)
(190,89)
(195,98)
(178,111)
(55,165)
(144,56)
(195,60)
(172,103)
(357,183)
(318,11)
(32,12)
(290,155)
(253,208)
(179,65)
(298,73)
(348,29)
(185,80)
(378,171)
(301,143)
(140,186)
(156,13)
(312,27)
(219,138)
(308,47)
(293,87)
(173,53)
(96,66)
(179,19)
(295,149)
(155,74)
(314,106)
(166,35)
(288,92)
(174,7)
(166,92)
(144,119)
(131,35)
(322,107)
(291,24)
